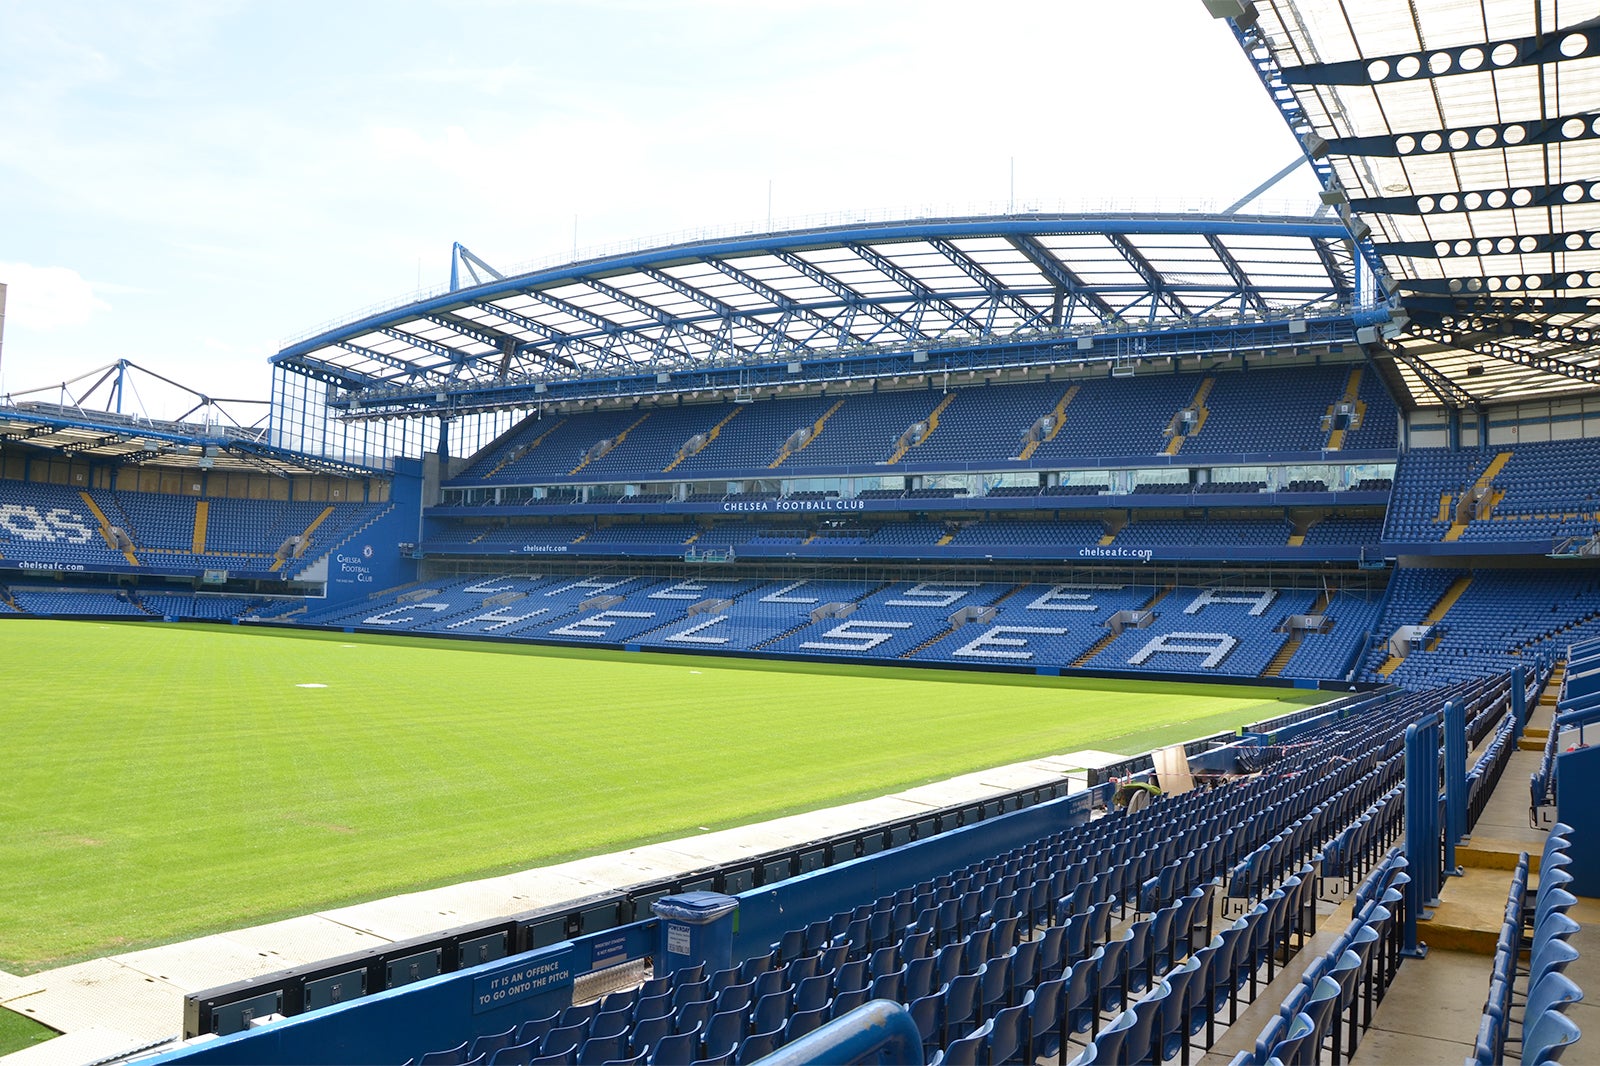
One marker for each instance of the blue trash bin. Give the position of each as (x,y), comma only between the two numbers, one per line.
(696,927)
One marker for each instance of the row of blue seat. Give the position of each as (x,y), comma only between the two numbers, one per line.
(1542,927)
(1014,956)
(1337,996)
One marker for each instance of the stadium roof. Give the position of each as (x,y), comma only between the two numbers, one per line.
(1461,141)
(782,298)
(86,420)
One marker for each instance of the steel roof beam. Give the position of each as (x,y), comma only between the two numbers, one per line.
(669,323)
(617,335)
(1564,337)
(1521,304)
(1338,276)
(727,314)
(549,333)
(447,354)
(1561,194)
(790,307)
(1443,388)
(1061,275)
(1551,47)
(1528,244)
(1499,283)
(1559,129)
(1488,343)
(915,290)
(1247,292)
(1152,277)
(998,292)
(854,301)
(379,357)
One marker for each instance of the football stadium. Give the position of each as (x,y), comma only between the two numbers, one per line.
(1020,637)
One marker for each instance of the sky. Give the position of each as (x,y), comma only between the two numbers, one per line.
(190,185)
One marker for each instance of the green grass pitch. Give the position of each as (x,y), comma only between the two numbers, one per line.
(164,782)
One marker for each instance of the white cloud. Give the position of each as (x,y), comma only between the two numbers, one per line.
(48,298)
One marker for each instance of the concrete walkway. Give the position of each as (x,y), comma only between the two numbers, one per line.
(115,1005)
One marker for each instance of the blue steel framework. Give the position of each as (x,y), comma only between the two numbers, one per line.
(743,316)
(1459,141)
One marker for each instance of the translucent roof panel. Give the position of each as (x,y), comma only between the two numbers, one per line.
(1464,137)
(775,298)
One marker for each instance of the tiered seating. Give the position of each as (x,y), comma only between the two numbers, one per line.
(1038,625)
(548,451)
(670,534)
(1329,654)
(1505,617)
(437,607)
(985,423)
(757,616)
(653,444)
(51,523)
(1346,529)
(1545,490)
(1068,533)
(751,442)
(644,607)
(978,424)
(1539,925)
(1412,591)
(1162,532)
(31,601)
(1015,957)
(533,536)
(1252,412)
(1423,477)
(893,621)
(1326,1007)
(864,430)
(1210,631)
(54,524)
(208,608)
(1108,418)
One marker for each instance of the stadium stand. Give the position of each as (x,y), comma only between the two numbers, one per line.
(963,428)
(1141,935)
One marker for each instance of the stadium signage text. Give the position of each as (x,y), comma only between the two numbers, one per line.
(1144,555)
(829,504)
(355,566)
(74,567)
(544,547)
(521,980)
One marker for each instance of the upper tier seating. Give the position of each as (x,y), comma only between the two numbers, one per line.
(1541,491)
(969,426)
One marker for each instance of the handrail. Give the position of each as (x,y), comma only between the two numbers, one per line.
(877,1031)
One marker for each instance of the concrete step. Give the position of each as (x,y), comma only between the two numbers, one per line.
(1471,909)
(1527,743)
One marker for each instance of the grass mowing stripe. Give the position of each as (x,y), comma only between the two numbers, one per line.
(167,782)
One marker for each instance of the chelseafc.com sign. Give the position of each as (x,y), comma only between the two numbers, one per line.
(55,526)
